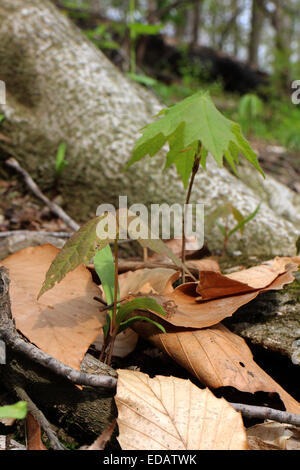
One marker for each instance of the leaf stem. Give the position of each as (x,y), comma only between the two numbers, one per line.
(113,322)
(194,172)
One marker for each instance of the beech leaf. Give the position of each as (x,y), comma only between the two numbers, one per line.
(167,413)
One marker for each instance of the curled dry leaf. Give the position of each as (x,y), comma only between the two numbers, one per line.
(125,342)
(101,441)
(217,357)
(34,434)
(167,413)
(215,297)
(273,436)
(65,320)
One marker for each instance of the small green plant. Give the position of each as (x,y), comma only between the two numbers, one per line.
(1,117)
(16,411)
(119,311)
(102,37)
(193,128)
(60,161)
(249,109)
(86,244)
(225,211)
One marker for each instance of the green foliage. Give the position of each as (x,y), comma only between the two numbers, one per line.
(16,411)
(142,79)
(250,107)
(60,162)
(224,212)
(1,117)
(187,124)
(80,248)
(145,29)
(105,268)
(102,37)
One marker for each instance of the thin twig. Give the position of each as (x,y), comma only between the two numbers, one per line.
(27,233)
(40,418)
(194,172)
(263,412)
(114,315)
(12,162)
(10,337)
(129,265)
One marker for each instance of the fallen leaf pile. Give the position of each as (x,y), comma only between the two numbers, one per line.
(164,412)
(195,338)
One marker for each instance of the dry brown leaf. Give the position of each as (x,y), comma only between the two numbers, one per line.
(101,441)
(217,357)
(125,342)
(34,434)
(192,245)
(273,435)
(185,308)
(155,280)
(205,264)
(66,320)
(213,285)
(167,413)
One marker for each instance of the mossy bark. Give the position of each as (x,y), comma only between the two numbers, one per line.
(61,88)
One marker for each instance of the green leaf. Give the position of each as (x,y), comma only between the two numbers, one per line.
(147,29)
(143,79)
(16,411)
(79,249)
(244,221)
(221,228)
(60,163)
(238,217)
(1,117)
(139,303)
(195,119)
(105,268)
(127,323)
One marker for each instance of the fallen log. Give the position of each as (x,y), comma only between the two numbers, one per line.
(84,412)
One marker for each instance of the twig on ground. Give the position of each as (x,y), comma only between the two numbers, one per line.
(37,232)
(12,162)
(263,412)
(40,417)
(13,340)
(128,265)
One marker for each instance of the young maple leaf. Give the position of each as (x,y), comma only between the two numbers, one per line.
(186,126)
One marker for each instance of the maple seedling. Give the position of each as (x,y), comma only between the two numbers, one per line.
(225,211)
(193,128)
(118,311)
(87,244)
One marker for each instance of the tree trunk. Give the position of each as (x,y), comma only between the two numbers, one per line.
(60,88)
(257,19)
(196,22)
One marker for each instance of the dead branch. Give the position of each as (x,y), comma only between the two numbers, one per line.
(40,417)
(55,208)
(36,232)
(129,265)
(263,412)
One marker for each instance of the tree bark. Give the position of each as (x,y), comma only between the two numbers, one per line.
(196,22)
(61,88)
(257,19)
(63,403)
